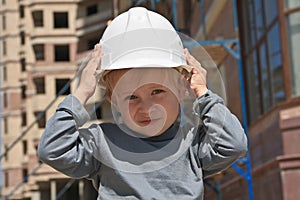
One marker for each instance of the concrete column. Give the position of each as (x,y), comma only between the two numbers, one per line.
(81,189)
(53,190)
(36,195)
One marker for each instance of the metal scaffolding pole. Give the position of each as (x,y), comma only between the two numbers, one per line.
(247,160)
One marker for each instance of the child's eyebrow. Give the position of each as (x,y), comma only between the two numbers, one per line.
(126,93)
(132,90)
(156,86)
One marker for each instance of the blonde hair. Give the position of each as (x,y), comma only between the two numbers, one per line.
(108,77)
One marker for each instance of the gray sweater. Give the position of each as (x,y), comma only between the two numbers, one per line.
(122,166)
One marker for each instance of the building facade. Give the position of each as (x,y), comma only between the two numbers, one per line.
(269,36)
(43,44)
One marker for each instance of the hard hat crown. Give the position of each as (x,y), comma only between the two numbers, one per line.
(141,38)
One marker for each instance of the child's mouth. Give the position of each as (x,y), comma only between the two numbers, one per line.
(146,122)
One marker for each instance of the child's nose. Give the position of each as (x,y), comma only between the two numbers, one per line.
(145,106)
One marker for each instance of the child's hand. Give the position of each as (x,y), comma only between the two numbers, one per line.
(198,78)
(88,80)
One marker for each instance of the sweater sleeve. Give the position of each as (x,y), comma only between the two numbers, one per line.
(64,146)
(222,138)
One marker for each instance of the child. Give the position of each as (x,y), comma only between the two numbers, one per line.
(155,149)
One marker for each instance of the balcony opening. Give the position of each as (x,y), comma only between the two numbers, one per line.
(22,11)
(41,118)
(62,86)
(61,20)
(3,22)
(25,149)
(5,122)
(6,149)
(92,42)
(39,52)
(38,18)
(4,73)
(6,179)
(4,48)
(91,10)
(25,175)
(39,83)
(61,53)
(24,118)
(22,36)
(5,100)
(23,93)
(23,64)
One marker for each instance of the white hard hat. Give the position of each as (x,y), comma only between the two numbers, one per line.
(141,38)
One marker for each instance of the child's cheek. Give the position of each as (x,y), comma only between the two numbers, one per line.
(127,111)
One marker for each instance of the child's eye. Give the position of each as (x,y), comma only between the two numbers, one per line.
(130,97)
(157,91)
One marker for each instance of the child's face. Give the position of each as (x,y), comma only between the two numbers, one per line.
(147,101)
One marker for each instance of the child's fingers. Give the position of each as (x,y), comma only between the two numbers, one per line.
(191,60)
(198,78)
(196,66)
(96,51)
(195,71)
(96,57)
